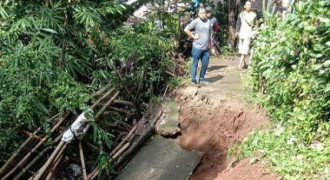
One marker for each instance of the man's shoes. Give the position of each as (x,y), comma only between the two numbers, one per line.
(204,82)
(193,83)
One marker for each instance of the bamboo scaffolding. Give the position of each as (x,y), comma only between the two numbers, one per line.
(39,174)
(123,141)
(126,151)
(13,157)
(25,158)
(27,167)
(51,172)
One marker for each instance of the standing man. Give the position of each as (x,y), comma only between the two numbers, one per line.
(214,29)
(245,29)
(201,44)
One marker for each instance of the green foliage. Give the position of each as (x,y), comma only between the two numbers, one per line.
(291,62)
(52,57)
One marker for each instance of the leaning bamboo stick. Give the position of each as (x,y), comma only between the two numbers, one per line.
(101,99)
(51,172)
(39,174)
(123,102)
(123,141)
(120,152)
(83,165)
(120,110)
(132,148)
(26,157)
(32,135)
(13,157)
(24,170)
(56,162)
(139,141)
(102,90)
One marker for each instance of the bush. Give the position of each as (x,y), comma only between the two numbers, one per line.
(291,62)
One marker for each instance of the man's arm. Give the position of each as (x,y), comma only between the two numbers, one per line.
(190,34)
(188,29)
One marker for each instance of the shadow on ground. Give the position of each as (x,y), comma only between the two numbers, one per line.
(214,79)
(214,68)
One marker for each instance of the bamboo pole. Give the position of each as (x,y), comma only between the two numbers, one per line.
(50,174)
(120,152)
(26,157)
(139,141)
(39,174)
(83,165)
(24,170)
(120,110)
(124,140)
(101,99)
(56,161)
(127,103)
(13,157)
(102,90)
(131,149)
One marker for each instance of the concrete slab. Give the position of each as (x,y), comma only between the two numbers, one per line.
(169,123)
(161,159)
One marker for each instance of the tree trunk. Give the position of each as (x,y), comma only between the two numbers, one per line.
(232,23)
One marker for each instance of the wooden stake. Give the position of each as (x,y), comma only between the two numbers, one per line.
(26,157)
(124,148)
(82,160)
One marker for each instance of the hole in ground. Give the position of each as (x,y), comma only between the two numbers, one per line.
(213,129)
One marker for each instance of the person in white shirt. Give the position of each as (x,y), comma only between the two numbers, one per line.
(245,29)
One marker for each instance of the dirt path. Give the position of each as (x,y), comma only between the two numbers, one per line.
(213,117)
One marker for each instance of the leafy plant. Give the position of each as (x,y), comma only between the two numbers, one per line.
(290,76)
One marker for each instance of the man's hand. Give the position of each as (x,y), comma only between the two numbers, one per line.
(195,37)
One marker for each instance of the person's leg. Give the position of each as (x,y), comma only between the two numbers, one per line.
(196,54)
(205,63)
(241,62)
